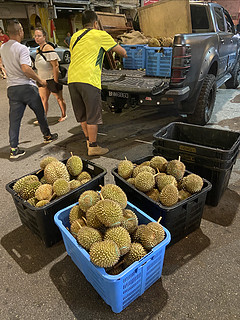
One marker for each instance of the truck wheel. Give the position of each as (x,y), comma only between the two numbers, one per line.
(205,102)
(233,82)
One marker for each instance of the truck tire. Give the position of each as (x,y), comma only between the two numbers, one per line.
(233,82)
(205,102)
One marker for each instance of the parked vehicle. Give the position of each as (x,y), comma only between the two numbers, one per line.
(201,62)
(63,52)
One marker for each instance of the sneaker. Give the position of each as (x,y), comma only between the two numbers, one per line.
(97,151)
(35,122)
(48,139)
(16,153)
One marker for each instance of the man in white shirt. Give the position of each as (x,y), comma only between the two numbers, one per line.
(22,89)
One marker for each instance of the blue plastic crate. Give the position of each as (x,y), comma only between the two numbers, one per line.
(158,61)
(120,290)
(136,56)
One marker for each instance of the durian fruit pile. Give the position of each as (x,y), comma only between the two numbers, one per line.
(161,180)
(58,180)
(109,231)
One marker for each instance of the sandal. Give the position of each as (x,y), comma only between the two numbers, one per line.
(62,119)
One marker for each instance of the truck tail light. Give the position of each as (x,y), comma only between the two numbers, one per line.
(181,63)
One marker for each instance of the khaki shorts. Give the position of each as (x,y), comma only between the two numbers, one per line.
(86,102)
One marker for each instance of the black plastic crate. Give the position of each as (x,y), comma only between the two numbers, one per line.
(41,220)
(194,158)
(193,139)
(218,177)
(180,219)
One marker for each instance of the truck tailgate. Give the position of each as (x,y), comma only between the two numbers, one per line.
(134,81)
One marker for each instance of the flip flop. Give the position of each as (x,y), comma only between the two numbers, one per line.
(62,119)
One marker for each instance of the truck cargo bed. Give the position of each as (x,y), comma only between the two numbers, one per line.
(131,81)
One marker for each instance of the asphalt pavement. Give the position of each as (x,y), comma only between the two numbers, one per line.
(200,277)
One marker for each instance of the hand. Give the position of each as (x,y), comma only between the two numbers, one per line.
(42,83)
(125,56)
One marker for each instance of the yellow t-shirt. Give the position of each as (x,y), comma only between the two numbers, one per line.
(87,56)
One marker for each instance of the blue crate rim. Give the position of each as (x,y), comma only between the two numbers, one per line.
(101,271)
(55,201)
(194,196)
(196,145)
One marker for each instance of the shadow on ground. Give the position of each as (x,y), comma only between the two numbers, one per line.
(51,121)
(185,250)
(28,251)
(86,303)
(225,212)
(5,151)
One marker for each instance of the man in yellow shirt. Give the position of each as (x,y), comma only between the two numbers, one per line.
(87,48)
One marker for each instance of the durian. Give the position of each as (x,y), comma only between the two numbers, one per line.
(41,203)
(115,193)
(176,168)
(45,161)
(130,221)
(44,192)
(74,165)
(145,181)
(84,175)
(192,183)
(163,180)
(104,254)
(75,213)
(61,187)
(76,226)
(87,236)
(28,189)
(169,195)
(159,163)
(125,169)
(21,182)
(135,253)
(109,212)
(121,237)
(56,170)
(88,199)
(74,184)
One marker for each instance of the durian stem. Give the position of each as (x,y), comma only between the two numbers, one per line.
(179,158)
(101,196)
(118,264)
(160,218)
(52,197)
(39,171)
(85,220)
(125,158)
(71,154)
(79,224)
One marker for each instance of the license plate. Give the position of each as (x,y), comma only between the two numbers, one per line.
(118,94)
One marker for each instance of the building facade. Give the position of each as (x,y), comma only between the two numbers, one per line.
(58,17)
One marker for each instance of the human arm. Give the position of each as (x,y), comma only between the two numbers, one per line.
(55,67)
(66,43)
(28,71)
(120,51)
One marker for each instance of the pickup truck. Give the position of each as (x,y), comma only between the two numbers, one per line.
(202,61)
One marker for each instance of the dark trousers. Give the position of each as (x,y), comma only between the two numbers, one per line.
(19,97)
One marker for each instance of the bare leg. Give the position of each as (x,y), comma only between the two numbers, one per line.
(44,94)
(61,103)
(84,128)
(92,130)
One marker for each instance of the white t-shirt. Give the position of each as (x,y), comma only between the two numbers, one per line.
(44,67)
(13,55)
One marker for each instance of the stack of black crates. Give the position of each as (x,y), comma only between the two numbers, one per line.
(208,152)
